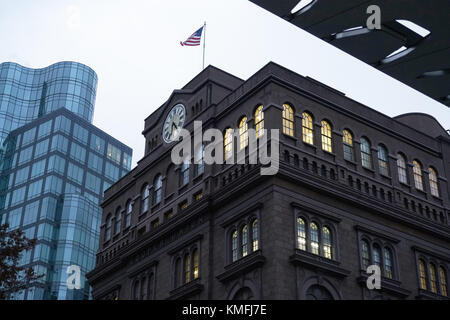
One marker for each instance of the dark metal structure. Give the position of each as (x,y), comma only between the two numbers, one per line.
(422,61)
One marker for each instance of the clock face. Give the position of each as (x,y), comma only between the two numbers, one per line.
(174,122)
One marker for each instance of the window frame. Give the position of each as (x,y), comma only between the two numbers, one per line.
(288,121)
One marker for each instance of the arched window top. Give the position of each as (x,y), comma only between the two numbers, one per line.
(108,220)
(118,210)
(313,226)
(242,122)
(158,181)
(434,185)
(145,190)
(288,112)
(401,159)
(365,144)
(347,137)
(307,120)
(417,164)
(382,152)
(300,220)
(259,115)
(327,125)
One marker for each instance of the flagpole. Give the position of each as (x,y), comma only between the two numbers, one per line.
(204,40)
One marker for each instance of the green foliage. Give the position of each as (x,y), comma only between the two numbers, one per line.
(13,278)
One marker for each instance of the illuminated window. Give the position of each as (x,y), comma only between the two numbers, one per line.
(326,136)
(314,234)
(326,238)
(288,120)
(301,234)
(255,231)
(195,254)
(433,280)
(183,205)
(243,134)
(422,275)
(244,240)
(376,255)
(307,128)
(365,254)
(145,197)
(443,277)
(117,221)
(157,190)
(433,182)
(187,268)
(234,245)
(259,121)
(417,170)
(401,168)
(388,269)
(198,196)
(366,157)
(108,228)
(383,160)
(347,139)
(228,143)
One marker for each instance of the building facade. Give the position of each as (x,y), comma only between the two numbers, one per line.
(55,166)
(355,188)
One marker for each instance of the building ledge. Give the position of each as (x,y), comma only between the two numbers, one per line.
(428,295)
(389,286)
(316,262)
(186,290)
(241,266)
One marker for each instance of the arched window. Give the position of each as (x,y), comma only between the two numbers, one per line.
(195,255)
(301,234)
(422,275)
(157,189)
(401,167)
(128,214)
(326,136)
(243,134)
(376,255)
(200,164)
(244,240)
(366,157)
(365,254)
(347,139)
(143,289)
(433,182)
(417,170)
(117,221)
(388,267)
(326,239)
(144,198)
(108,227)
(314,235)
(234,246)
(443,277)
(255,236)
(228,143)
(184,173)
(259,121)
(288,120)
(176,276)
(433,279)
(187,268)
(383,160)
(307,128)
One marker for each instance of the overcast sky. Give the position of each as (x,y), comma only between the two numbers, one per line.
(133,46)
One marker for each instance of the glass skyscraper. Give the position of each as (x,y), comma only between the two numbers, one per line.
(54,167)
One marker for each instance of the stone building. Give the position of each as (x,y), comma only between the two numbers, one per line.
(354,188)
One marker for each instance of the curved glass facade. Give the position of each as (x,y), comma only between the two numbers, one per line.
(26,94)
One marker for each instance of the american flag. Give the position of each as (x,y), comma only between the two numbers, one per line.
(194,39)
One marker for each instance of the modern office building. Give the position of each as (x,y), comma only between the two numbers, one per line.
(54,168)
(354,188)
